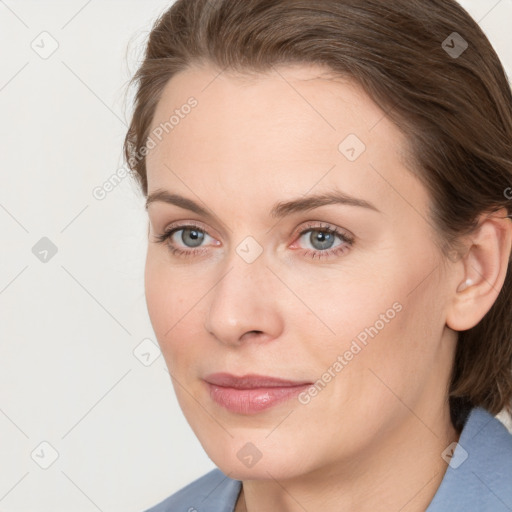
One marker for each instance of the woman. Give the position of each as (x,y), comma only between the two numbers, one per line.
(328,275)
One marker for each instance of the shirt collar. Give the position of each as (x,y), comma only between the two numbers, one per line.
(479,474)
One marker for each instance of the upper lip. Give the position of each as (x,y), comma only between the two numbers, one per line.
(250,381)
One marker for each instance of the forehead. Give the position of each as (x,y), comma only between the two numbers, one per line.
(293,128)
(298,100)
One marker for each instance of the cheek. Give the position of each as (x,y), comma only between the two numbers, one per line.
(345,308)
(169,293)
(165,301)
(174,306)
(401,359)
(161,309)
(374,324)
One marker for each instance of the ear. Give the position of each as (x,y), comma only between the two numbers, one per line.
(483,269)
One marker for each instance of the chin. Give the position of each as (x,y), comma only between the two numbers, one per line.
(260,471)
(248,463)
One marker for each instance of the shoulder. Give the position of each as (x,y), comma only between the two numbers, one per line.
(212,492)
(479,475)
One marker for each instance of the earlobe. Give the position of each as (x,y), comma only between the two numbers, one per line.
(484,268)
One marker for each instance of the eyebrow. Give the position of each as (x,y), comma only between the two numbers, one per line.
(279,210)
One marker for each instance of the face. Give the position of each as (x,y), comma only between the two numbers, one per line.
(344,293)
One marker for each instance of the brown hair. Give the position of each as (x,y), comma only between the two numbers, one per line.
(456,111)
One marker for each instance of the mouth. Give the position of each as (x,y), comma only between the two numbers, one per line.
(251,394)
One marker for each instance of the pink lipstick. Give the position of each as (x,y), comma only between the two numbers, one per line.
(251,394)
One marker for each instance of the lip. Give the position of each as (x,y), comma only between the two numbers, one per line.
(251,394)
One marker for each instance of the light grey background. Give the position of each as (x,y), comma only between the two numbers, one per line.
(79,365)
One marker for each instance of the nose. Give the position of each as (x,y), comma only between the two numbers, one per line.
(244,304)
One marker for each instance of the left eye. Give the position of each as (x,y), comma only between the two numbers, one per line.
(322,239)
(191,237)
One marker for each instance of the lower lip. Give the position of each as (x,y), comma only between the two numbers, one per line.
(253,401)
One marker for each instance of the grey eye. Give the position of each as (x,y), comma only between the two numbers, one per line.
(191,237)
(320,239)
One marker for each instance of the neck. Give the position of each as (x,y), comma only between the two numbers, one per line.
(401,472)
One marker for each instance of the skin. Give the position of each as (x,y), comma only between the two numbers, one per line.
(372,438)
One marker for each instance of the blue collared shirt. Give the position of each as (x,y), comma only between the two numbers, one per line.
(478,478)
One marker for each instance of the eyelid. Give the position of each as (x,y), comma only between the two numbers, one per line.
(184,224)
(320,226)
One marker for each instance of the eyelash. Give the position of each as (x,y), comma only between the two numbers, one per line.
(314,254)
